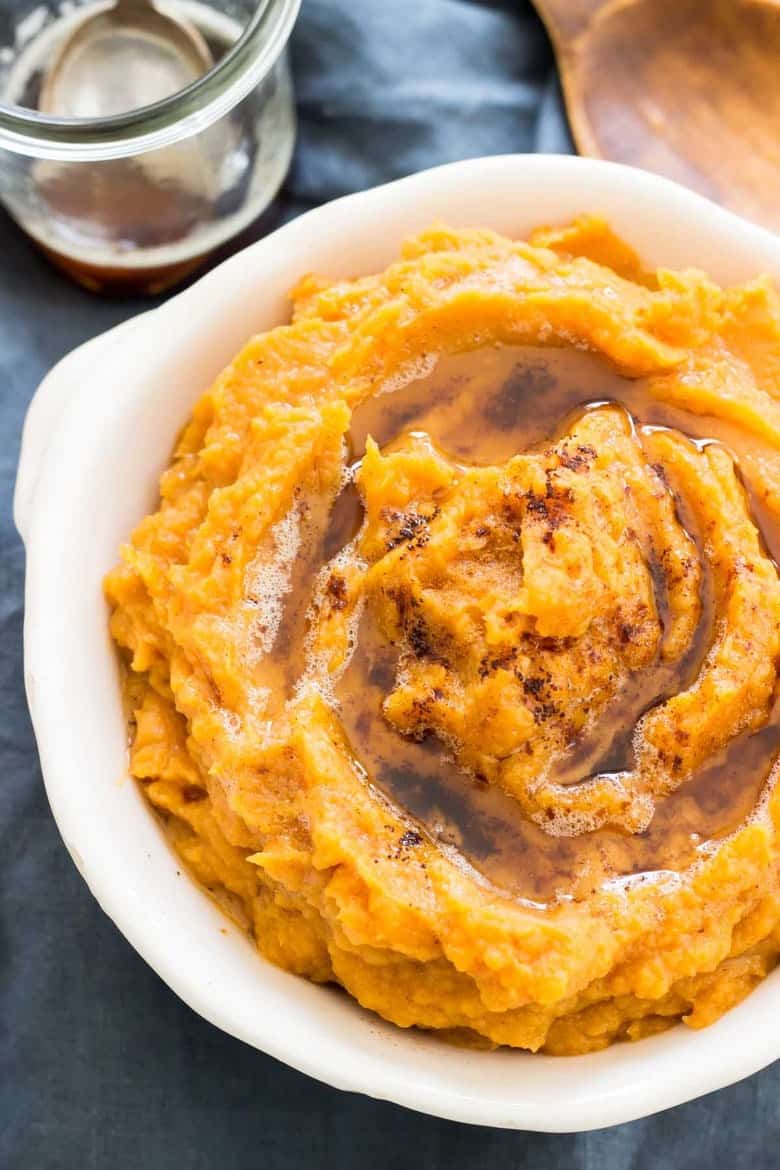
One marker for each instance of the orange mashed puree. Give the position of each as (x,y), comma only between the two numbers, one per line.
(452,647)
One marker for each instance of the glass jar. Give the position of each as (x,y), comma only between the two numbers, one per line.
(136,201)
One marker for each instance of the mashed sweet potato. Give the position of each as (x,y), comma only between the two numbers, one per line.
(453,643)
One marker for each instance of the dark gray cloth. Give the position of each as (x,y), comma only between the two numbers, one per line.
(103,1068)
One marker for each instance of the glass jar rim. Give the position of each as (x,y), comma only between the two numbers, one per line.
(179,116)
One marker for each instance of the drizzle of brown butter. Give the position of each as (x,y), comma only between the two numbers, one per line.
(481,408)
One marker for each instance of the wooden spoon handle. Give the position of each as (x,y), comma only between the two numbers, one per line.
(566,19)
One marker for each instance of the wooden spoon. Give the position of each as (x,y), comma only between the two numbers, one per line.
(686,88)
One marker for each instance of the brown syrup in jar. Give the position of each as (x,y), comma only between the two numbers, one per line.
(131,279)
(126,281)
(482,407)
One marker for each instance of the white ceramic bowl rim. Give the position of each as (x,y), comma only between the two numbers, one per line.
(85,420)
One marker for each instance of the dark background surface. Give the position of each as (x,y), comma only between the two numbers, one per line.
(101,1066)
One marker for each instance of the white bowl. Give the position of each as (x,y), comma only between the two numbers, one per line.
(98,433)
